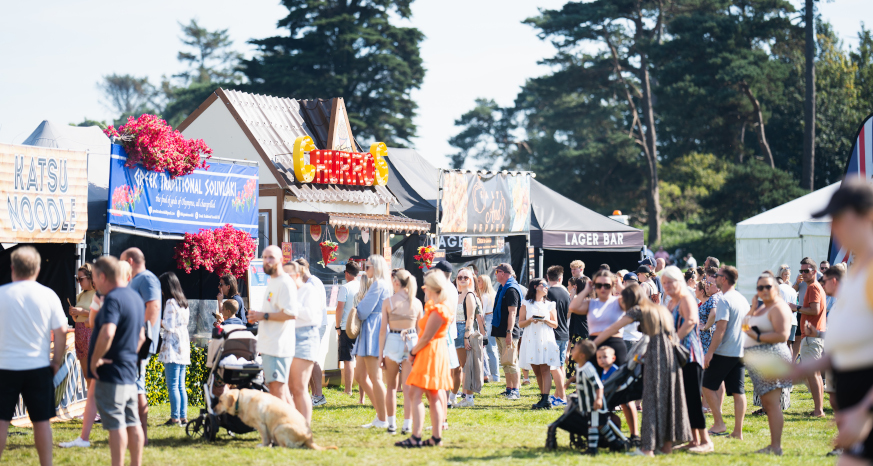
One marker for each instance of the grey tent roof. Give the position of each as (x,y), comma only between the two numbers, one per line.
(553,212)
(414,181)
(92,139)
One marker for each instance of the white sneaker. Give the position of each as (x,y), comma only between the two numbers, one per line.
(79,442)
(467,403)
(371,424)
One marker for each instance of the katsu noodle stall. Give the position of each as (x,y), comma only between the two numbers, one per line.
(46,207)
(322,197)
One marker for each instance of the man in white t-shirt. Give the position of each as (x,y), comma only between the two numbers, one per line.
(320,296)
(277,328)
(31,313)
(344,300)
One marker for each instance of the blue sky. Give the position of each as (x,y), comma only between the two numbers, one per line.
(55,53)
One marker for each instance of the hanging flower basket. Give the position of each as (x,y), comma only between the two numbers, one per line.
(425,256)
(328,252)
(150,141)
(224,250)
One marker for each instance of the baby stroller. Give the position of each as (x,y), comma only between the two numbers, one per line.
(232,359)
(624,386)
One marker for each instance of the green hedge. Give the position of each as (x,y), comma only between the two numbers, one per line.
(156,383)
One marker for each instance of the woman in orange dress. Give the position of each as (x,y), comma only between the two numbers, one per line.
(430,373)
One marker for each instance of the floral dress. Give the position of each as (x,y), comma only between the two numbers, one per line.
(704,310)
(176,347)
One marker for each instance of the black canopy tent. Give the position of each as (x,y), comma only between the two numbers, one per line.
(415,184)
(563,231)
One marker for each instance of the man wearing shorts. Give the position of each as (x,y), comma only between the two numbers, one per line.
(113,361)
(148,286)
(561,297)
(505,325)
(813,311)
(724,360)
(31,314)
(344,300)
(276,330)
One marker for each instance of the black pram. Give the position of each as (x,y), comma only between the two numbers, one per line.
(624,386)
(239,342)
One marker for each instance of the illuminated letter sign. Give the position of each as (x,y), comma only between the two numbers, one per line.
(340,167)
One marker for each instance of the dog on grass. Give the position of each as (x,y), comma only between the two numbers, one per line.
(276,421)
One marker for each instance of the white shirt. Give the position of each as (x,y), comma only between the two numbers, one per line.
(310,305)
(29,313)
(276,338)
(323,301)
(691,263)
(346,295)
(453,298)
(789,294)
(847,340)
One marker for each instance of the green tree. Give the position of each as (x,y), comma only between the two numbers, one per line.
(863,60)
(128,95)
(350,49)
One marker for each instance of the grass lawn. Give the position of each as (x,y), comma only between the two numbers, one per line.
(496,431)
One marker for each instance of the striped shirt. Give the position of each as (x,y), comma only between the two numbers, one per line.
(587,384)
(692,340)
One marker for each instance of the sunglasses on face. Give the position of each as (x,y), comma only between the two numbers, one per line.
(463,279)
(79,279)
(824,267)
(805,271)
(765,287)
(603,286)
(368,266)
(543,285)
(719,275)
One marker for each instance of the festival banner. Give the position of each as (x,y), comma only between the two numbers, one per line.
(46,193)
(474,205)
(860,166)
(224,193)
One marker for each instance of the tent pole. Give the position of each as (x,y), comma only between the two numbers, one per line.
(541,254)
(106,234)
(438,202)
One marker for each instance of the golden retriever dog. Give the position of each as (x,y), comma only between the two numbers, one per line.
(276,421)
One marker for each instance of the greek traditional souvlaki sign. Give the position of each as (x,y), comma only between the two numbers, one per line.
(46,195)
(207,198)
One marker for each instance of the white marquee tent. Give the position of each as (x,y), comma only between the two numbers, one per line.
(783,235)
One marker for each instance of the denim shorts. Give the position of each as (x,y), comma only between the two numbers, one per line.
(459,341)
(140,379)
(562,350)
(396,349)
(307,343)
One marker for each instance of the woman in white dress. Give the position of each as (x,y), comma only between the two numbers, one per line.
(539,350)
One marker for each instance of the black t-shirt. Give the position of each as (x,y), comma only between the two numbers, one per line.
(578,326)
(510,299)
(125,308)
(561,298)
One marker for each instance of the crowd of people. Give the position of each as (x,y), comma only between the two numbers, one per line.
(701,338)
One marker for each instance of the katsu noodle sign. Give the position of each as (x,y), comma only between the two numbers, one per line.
(46,195)
(483,206)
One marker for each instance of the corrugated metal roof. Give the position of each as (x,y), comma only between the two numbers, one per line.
(381,222)
(274,123)
(336,193)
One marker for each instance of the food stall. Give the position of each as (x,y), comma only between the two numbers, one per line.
(317,185)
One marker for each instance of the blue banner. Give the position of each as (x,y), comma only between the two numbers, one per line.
(225,193)
(860,166)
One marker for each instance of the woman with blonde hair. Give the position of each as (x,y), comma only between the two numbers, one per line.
(487,293)
(666,419)
(468,318)
(430,373)
(367,347)
(398,335)
(360,374)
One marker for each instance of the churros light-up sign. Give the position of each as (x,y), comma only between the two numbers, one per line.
(340,167)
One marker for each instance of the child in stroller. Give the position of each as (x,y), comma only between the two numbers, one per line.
(586,415)
(233,362)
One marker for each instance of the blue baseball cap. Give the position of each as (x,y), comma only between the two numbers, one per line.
(631,276)
(647,261)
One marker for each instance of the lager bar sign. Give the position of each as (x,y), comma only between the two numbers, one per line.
(46,195)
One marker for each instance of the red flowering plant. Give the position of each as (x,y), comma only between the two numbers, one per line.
(222,251)
(328,252)
(125,198)
(245,198)
(150,141)
(425,256)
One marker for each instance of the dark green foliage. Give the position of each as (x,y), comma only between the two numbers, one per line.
(156,382)
(346,49)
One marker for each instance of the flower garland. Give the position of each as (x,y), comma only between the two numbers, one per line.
(223,250)
(328,252)
(425,256)
(150,141)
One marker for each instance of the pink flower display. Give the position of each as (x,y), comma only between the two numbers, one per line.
(150,141)
(245,198)
(222,251)
(125,198)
